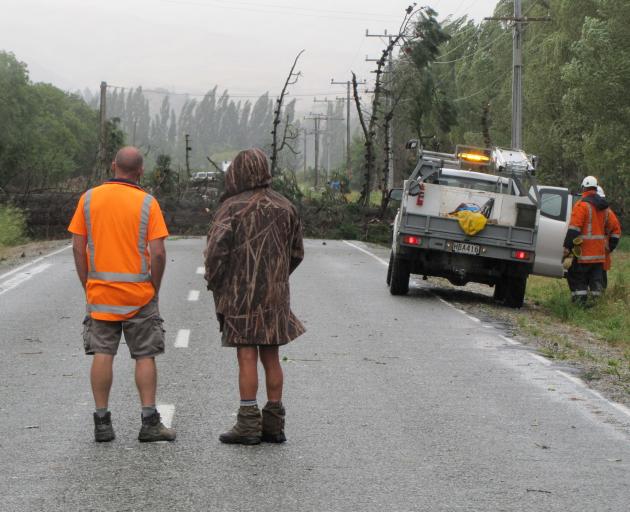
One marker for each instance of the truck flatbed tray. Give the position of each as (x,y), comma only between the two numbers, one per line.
(448,228)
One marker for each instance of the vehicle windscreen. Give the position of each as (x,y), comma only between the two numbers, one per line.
(471,183)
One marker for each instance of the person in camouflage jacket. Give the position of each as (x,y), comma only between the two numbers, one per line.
(254,244)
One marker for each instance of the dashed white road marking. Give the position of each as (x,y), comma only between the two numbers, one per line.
(22,277)
(201,270)
(36,260)
(183,336)
(193,295)
(380,260)
(167,411)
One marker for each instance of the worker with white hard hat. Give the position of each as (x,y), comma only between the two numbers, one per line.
(588,228)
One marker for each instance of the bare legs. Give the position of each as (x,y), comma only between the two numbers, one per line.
(101,376)
(248,372)
(274,378)
(146,380)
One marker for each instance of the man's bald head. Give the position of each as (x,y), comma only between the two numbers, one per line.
(128,163)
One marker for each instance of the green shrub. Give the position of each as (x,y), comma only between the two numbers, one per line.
(12,226)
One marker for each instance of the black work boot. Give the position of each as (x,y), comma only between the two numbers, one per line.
(103,430)
(247,429)
(273,423)
(153,430)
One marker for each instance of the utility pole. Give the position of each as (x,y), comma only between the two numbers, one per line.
(518,21)
(390,106)
(316,118)
(102,139)
(188,150)
(348,85)
(304,134)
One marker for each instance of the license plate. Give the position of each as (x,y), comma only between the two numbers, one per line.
(463,248)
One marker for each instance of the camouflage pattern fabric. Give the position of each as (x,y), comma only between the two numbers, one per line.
(254,243)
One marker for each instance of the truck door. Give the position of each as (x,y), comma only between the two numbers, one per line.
(555,212)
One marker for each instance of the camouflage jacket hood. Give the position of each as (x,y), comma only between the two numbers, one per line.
(248,171)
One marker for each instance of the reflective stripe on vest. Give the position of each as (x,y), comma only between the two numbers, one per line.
(119,277)
(115,310)
(88,224)
(591,258)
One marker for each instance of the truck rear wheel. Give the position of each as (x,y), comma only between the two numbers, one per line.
(499,290)
(399,279)
(515,291)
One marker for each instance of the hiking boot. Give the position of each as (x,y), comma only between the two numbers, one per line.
(273,423)
(153,430)
(103,430)
(247,429)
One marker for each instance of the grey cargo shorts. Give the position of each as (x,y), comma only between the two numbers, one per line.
(143,332)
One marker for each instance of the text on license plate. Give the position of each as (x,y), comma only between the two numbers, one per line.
(463,248)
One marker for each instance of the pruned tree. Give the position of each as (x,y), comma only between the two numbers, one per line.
(288,131)
(369,130)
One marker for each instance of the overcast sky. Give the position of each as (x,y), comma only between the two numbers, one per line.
(245,46)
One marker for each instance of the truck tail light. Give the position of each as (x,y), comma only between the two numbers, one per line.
(420,197)
(521,255)
(411,240)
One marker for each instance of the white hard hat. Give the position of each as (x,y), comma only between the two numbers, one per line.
(589,182)
(600,191)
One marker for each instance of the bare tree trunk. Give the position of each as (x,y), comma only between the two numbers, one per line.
(369,144)
(292,78)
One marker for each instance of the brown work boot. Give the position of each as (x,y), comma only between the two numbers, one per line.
(154,430)
(103,430)
(273,423)
(247,429)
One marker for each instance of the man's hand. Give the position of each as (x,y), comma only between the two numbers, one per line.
(565,252)
(158,262)
(79,250)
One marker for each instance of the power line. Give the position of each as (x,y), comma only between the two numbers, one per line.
(284,9)
(203,95)
(482,47)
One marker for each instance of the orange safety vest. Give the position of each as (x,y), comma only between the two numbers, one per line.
(613,230)
(591,223)
(116,219)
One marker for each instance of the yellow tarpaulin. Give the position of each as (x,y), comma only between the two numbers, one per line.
(470,222)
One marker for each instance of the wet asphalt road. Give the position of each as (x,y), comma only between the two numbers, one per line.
(393,404)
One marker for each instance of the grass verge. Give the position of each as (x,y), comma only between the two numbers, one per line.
(608,319)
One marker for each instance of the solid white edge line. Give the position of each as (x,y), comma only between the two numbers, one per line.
(508,340)
(167,411)
(36,260)
(380,260)
(620,407)
(580,383)
(541,359)
(182,338)
(200,270)
(21,278)
(193,295)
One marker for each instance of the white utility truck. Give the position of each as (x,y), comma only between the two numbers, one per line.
(524,228)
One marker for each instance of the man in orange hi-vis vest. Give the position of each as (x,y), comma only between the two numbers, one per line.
(591,223)
(118,242)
